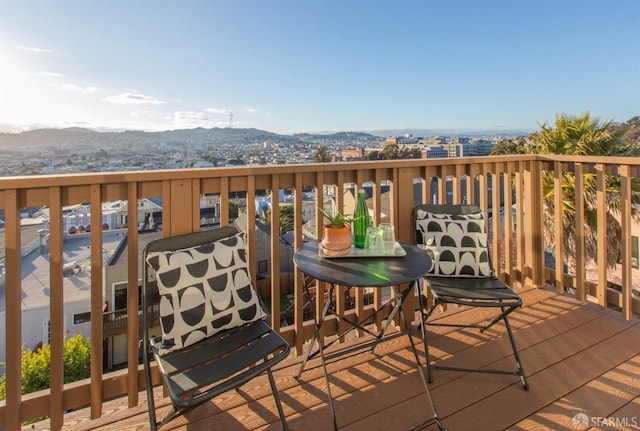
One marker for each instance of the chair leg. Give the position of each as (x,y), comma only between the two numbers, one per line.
(152,411)
(151,405)
(274,389)
(520,369)
(424,316)
(504,317)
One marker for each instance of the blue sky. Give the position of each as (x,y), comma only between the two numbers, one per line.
(317,65)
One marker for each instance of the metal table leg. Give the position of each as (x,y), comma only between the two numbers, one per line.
(316,337)
(435,419)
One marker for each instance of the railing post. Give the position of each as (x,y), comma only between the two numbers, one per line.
(601,192)
(495,218)
(13,300)
(508,223)
(275,248)
(96,301)
(519,178)
(534,225)
(177,208)
(56,313)
(558,178)
(132,293)
(252,255)
(625,197)
(298,277)
(405,206)
(579,228)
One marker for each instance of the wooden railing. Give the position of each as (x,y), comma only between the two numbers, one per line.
(116,322)
(624,184)
(518,250)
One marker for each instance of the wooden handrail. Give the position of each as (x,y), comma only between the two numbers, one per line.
(116,322)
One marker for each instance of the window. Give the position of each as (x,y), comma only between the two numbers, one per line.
(635,252)
(120,296)
(81,318)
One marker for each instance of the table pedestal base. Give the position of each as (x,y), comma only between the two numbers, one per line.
(399,299)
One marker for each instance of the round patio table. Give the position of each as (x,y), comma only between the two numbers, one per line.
(403,267)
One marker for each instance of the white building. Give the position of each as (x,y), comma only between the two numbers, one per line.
(36,291)
(115,215)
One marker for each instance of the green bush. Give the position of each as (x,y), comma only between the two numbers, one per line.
(36,365)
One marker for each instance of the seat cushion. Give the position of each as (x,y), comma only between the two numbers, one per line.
(204,290)
(462,290)
(456,243)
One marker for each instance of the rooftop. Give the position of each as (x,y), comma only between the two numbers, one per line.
(77,260)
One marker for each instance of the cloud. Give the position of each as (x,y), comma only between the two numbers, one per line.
(221,111)
(196,119)
(51,74)
(249,110)
(76,88)
(190,116)
(141,113)
(133,99)
(32,49)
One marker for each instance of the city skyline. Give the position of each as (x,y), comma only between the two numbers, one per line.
(316,66)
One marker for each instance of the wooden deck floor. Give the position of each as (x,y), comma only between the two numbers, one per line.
(578,358)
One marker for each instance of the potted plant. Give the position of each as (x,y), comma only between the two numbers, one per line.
(336,240)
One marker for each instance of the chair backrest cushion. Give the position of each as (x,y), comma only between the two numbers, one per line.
(456,243)
(203,290)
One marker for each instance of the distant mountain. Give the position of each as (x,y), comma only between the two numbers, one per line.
(215,133)
(46,137)
(63,136)
(75,136)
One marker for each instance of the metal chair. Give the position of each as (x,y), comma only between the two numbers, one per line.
(214,364)
(469,290)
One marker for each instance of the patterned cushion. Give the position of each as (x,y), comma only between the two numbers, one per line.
(457,244)
(204,290)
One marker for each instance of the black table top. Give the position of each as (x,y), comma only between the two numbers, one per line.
(362,271)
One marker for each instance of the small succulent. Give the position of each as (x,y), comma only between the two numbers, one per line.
(338,220)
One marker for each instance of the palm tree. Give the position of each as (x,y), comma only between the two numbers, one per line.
(286,219)
(585,136)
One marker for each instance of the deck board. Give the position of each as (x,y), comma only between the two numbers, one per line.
(572,364)
(606,395)
(579,358)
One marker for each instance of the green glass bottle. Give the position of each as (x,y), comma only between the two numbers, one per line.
(361,221)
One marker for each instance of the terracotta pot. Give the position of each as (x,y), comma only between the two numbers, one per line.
(337,241)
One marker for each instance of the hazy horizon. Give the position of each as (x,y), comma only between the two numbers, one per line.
(378,133)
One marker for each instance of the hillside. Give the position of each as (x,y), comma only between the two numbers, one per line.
(633,130)
(74,137)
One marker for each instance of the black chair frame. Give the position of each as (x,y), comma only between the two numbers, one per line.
(488,292)
(202,371)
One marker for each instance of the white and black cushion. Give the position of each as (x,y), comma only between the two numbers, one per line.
(204,290)
(456,243)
